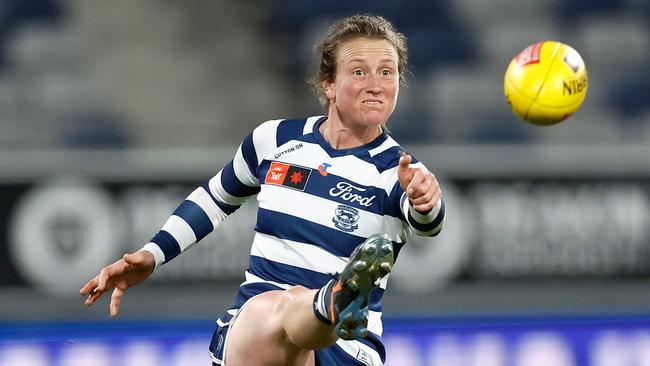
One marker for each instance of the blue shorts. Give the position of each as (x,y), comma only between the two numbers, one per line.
(364,352)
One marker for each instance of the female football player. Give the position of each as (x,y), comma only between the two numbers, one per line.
(337,200)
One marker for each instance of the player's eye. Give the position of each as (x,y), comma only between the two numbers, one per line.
(358,72)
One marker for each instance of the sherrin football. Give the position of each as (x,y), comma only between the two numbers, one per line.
(546,83)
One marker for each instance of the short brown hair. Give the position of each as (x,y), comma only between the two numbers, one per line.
(369,26)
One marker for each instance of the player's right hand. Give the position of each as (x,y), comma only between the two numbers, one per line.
(129,271)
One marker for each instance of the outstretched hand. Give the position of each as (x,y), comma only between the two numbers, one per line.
(420,185)
(127,272)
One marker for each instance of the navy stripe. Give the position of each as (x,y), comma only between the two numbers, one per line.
(284,273)
(397,196)
(431,225)
(289,227)
(233,185)
(314,306)
(249,153)
(226,208)
(167,244)
(321,186)
(387,159)
(249,290)
(293,228)
(288,130)
(374,303)
(194,215)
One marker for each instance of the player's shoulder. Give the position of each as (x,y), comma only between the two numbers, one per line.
(386,156)
(285,129)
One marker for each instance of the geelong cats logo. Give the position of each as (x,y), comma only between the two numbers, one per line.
(345,218)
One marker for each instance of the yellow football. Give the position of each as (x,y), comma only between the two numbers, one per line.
(546,83)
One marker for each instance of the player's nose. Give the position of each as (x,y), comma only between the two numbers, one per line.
(374,84)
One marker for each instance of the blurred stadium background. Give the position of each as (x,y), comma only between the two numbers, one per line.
(112,111)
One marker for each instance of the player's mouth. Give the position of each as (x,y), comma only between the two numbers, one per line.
(372,101)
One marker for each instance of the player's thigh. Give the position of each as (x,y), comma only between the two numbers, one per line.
(256,336)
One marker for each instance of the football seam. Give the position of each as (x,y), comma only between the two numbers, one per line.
(548,71)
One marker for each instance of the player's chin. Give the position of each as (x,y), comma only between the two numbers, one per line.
(375,117)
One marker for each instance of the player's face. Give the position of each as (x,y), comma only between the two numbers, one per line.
(366,84)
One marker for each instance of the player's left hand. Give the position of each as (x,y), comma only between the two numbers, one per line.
(420,185)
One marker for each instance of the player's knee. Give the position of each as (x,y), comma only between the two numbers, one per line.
(284,299)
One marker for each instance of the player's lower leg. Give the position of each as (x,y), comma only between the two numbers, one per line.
(343,302)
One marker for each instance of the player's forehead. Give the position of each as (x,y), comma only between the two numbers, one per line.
(363,49)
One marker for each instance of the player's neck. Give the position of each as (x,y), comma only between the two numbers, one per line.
(343,136)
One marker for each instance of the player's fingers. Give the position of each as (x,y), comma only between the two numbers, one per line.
(116,299)
(93,297)
(404,173)
(102,279)
(424,198)
(404,162)
(437,195)
(417,187)
(89,286)
(424,208)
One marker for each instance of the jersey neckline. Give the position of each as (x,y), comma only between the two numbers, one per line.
(357,150)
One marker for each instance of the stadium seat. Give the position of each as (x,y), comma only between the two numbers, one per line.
(571,10)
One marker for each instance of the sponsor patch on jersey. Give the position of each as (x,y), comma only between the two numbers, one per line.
(322,169)
(351,193)
(346,218)
(283,174)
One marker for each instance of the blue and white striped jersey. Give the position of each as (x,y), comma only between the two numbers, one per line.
(316,204)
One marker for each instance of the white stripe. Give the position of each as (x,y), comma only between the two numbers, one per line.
(158,254)
(349,166)
(374,322)
(251,278)
(352,348)
(181,231)
(222,324)
(369,223)
(384,281)
(296,254)
(217,190)
(214,359)
(263,138)
(431,232)
(311,155)
(205,202)
(388,178)
(406,207)
(322,307)
(430,216)
(242,171)
(387,144)
(309,125)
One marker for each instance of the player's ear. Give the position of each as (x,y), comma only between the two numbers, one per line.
(328,89)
